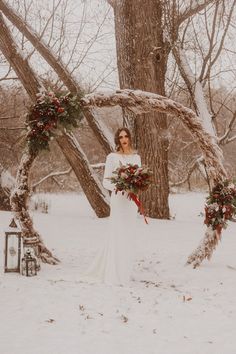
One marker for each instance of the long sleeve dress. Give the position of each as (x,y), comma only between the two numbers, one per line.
(113,265)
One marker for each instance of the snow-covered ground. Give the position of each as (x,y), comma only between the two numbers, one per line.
(169,308)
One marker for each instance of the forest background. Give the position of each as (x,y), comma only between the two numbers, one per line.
(82,34)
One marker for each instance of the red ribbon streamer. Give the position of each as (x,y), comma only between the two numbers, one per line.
(138,203)
(218,231)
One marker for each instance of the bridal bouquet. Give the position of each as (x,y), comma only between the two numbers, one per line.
(132,179)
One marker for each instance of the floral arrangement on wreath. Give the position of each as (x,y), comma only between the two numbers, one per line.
(220,205)
(132,179)
(51,113)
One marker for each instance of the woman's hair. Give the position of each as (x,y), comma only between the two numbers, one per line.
(117,140)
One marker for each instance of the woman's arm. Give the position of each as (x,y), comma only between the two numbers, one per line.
(138,160)
(108,173)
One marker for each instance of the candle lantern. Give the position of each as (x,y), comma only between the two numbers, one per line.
(12,248)
(29,263)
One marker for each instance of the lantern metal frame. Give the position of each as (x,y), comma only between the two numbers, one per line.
(9,233)
(28,264)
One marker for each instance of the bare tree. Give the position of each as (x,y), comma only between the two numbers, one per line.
(143,49)
(215,22)
(71,150)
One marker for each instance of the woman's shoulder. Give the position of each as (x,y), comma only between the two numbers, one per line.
(111,156)
(135,153)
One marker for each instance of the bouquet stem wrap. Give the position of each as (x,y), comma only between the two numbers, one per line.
(137,201)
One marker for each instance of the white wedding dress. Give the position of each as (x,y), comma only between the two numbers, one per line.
(113,264)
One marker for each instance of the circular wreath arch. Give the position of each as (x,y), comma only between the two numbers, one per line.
(43,127)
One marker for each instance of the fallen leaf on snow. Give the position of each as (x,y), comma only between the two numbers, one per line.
(230,267)
(124,318)
(50,320)
(187,298)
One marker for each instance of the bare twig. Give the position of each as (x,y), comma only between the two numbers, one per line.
(191,169)
(51,17)
(224,138)
(195,7)
(50,175)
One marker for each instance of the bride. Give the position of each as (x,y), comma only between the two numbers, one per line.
(113,265)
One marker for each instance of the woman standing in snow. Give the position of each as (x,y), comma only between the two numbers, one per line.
(113,265)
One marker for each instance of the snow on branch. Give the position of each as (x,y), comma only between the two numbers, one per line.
(195,89)
(50,175)
(195,164)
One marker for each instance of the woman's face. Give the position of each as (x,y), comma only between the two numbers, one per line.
(124,139)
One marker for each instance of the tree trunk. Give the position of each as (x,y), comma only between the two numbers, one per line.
(87,178)
(142,60)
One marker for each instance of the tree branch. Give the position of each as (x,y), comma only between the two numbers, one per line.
(50,175)
(193,166)
(221,44)
(195,7)
(223,140)
(18,63)
(112,3)
(195,89)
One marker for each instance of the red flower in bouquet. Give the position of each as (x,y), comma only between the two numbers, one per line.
(132,179)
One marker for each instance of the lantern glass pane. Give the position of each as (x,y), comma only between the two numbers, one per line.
(12,251)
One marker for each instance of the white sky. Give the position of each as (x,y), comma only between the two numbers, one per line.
(95,49)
